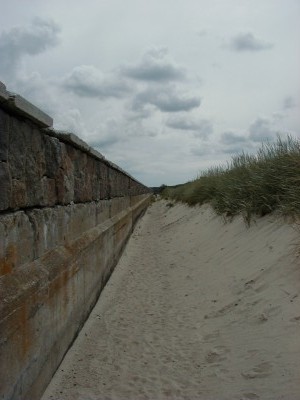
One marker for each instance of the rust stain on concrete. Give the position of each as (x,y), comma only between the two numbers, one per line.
(8,262)
(20,326)
(25,332)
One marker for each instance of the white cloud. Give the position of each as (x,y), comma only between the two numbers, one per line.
(166,99)
(71,120)
(89,81)
(155,66)
(201,128)
(31,40)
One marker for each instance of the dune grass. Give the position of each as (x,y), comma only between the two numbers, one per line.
(249,184)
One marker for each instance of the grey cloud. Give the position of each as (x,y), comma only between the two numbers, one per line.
(26,40)
(118,130)
(110,133)
(205,149)
(260,130)
(230,138)
(233,150)
(175,103)
(201,33)
(105,141)
(200,151)
(233,143)
(247,146)
(88,81)
(155,66)
(278,115)
(289,103)
(201,128)
(248,42)
(137,112)
(166,100)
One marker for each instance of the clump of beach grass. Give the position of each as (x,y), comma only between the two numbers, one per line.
(249,184)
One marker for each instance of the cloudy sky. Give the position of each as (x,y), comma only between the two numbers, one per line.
(163,88)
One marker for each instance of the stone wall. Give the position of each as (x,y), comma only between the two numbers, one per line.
(65,215)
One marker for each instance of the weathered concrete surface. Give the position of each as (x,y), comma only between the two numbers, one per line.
(27,234)
(46,301)
(65,214)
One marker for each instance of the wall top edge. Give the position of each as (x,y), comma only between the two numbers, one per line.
(20,106)
(75,141)
(71,138)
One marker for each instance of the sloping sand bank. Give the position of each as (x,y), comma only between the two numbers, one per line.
(196,309)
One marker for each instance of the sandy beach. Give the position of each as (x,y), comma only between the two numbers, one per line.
(196,309)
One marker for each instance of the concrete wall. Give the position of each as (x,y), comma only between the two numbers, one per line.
(65,214)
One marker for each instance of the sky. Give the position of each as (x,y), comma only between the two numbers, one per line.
(163,88)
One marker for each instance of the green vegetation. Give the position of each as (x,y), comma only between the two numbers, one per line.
(249,184)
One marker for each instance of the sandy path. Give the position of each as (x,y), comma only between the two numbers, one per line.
(196,309)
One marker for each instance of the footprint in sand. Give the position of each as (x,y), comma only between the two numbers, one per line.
(211,336)
(217,354)
(224,310)
(295,319)
(261,370)
(249,283)
(250,396)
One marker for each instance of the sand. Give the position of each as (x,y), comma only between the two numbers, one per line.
(196,309)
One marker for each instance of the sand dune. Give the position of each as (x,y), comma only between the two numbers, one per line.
(196,309)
